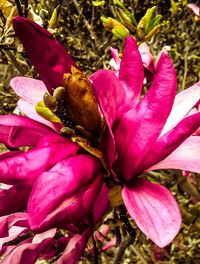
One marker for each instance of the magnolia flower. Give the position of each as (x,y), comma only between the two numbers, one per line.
(151,133)
(142,135)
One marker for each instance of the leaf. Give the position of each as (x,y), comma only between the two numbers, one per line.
(6,7)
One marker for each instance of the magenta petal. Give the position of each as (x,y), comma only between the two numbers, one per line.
(65,193)
(131,72)
(166,144)
(154,210)
(139,128)
(49,57)
(17,131)
(101,204)
(75,248)
(14,199)
(29,89)
(6,222)
(183,103)
(185,157)
(27,166)
(110,94)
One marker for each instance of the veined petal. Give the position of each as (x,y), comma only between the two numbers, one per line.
(166,144)
(49,57)
(29,89)
(66,193)
(14,199)
(154,210)
(75,248)
(185,157)
(183,103)
(17,131)
(27,166)
(140,127)
(110,94)
(131,73)
(29,110)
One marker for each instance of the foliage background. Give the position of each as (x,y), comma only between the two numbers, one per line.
(80,30)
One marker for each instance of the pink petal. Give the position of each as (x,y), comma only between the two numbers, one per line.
(140,127)
(185,157)
(17,131)
(131,73)
(49,57)
(154,210)
(29,110)
(75,248)
(147,58)
(65,194)
(194,8)
(6,222)
(101,204)
(27,166)
(29,89)
(110,94)
(166,144)
(183,103)
(14,199)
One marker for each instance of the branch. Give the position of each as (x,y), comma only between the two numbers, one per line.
(19,8)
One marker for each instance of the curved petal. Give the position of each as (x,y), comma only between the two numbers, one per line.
(49,57)
(166,144)
(183,103)
(110,94)
(75,248)
(154,210)
(27,166)
(29,110)
(147,58)
(65,193)
(17,131)
(29,89)
(185,157)
(6,222)
(140,127)
(14,199)
(131,73)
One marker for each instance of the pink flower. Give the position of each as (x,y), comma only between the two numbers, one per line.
(151,133)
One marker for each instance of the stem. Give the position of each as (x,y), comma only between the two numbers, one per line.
(96,257)
(122,248)
(19,8)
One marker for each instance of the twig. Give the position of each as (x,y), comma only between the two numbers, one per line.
(25,8)
(19,8)
(15,62)
(87,25)
(96,257)
(185,68)
(137,253)
(122,248)
(2,17)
